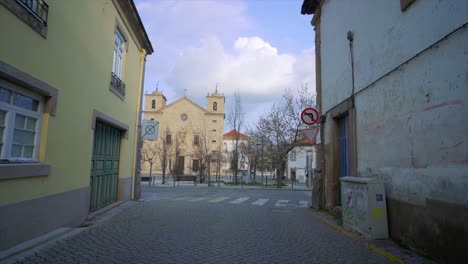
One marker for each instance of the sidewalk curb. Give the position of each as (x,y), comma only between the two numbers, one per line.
(370,245)
(27,248)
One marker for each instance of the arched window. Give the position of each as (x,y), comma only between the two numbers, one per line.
(153,104)
(215,106)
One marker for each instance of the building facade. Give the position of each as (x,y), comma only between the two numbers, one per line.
(392,86)
(193,133)
(71,76)
(301,163)
(229,145)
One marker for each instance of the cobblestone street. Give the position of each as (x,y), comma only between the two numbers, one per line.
(211,226)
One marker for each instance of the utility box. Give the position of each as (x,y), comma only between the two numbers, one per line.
(363,206)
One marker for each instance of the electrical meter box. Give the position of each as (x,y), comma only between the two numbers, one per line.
(363,206)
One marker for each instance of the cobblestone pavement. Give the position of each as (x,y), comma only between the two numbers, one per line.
(204,226)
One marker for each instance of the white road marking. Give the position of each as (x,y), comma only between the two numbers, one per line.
(153,198)
(198,199)
(181,198)
(281,203)
(217,200)
(240,200)
(260,202)
(303,203)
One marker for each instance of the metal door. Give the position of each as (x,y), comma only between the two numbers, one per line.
(343,142)
(343,128)
(104,166)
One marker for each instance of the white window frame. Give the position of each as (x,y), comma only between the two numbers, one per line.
(292,155)
(11,112)
(119,52)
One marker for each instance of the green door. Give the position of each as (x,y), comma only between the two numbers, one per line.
(105,166)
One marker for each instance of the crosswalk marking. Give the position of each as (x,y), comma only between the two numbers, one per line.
(181,198)
(240,200)
(154,198)
(281,203)
(217,200)
(260,202)
(198,199)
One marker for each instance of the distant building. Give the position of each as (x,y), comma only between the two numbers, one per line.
(301,162)
(229,145)
(392,88)
(71,75)
(188,125)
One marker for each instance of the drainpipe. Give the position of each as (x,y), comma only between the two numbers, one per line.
(136,188)
(350,37)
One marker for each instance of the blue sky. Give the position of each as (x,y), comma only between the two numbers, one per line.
(254,47)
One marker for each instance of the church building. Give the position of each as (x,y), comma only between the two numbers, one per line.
(193,134)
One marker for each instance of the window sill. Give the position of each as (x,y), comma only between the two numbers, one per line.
(28,18)
(23,170)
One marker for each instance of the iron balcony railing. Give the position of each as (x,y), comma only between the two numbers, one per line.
(118,84)
(39,8)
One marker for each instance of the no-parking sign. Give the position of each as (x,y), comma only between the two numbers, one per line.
(310,116)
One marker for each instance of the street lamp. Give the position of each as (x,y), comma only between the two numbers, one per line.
(258,144)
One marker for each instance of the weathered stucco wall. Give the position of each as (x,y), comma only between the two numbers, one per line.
(412,126)
(413,133)
(384,37)
(411,96)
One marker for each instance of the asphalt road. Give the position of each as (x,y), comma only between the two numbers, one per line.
(182,225)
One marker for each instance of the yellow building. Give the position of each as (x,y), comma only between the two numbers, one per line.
(186,126)
(70,88)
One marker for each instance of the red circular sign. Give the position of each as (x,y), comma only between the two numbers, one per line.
(310,116)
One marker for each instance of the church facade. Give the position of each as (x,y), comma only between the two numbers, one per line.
(191,134)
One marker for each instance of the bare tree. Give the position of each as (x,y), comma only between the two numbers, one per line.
(163,151)
(202,152)
(150,155)
(250,150)
(236,119)
(218,159)
(281,126)
(178,169)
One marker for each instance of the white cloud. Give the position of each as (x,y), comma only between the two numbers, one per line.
(186,19)
(198,44)
(254,68)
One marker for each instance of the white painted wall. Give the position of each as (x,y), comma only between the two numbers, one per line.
(301,162)
(395,36)
(228,146)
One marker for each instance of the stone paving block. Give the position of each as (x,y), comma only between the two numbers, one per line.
(183,231)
